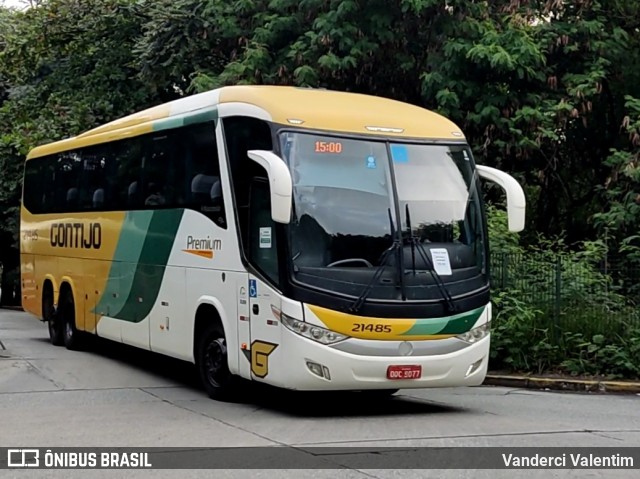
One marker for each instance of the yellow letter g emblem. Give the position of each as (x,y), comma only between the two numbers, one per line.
(260,352)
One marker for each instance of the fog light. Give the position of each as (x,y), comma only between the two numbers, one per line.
(319,370)
(315,368)
(473,368)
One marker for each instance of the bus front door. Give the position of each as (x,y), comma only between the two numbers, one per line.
(265,329)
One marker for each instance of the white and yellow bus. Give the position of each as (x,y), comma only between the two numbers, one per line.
(309,239)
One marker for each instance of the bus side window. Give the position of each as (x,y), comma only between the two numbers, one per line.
(92,184)
(38,192)
(204,186)
(68,173)
(125,159)
(241,135)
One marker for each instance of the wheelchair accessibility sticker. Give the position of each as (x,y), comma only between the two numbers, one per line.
(253,288)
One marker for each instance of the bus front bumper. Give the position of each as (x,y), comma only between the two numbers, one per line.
(313,366)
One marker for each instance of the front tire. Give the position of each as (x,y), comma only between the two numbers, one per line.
(213,365)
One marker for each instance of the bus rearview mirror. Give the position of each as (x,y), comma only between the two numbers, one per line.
(516,201)
(280,185)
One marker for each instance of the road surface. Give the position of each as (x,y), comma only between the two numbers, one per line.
(113,395)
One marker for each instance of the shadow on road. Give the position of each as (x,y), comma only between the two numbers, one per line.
(253,394)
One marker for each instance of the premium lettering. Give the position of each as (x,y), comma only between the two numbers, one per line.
(203,243)
(76,235)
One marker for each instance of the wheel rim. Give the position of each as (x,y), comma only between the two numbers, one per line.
(214,362)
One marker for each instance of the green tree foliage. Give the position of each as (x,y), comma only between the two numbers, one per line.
(548,90)
(541,88)
(544,89)
(65,66)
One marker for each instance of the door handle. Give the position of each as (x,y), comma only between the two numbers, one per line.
(256,309)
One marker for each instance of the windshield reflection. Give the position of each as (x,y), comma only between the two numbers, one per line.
(341,200)
(345,214)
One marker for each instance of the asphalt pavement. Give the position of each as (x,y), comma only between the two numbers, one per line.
(115,396)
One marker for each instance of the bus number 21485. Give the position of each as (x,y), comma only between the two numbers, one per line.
(374,328)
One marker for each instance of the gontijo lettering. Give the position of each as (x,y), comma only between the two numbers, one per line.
(76,235)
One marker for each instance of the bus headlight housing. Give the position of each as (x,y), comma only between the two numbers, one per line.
(476,334)
(311,331)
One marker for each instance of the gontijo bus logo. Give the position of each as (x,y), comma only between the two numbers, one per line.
(204,247)
(76,235)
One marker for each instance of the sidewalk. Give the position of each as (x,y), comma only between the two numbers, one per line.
(563,384)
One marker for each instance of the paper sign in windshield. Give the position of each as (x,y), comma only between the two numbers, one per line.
(441,263)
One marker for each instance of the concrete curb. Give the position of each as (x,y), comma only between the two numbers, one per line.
(563,384)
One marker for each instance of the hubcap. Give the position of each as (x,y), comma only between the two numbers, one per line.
(214,358)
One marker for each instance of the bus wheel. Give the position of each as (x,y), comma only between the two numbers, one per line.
(213,364)
(52,319)
(67,317)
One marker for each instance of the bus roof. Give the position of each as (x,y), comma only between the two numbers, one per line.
(310,108)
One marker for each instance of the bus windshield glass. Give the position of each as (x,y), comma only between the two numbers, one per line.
(347,197)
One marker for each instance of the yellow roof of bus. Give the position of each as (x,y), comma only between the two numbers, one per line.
(300,107)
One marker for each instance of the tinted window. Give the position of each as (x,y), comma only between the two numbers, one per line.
(204,184)
(171,169)
(253,208)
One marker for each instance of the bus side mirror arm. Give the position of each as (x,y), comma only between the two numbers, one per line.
(280,184)
(516,201)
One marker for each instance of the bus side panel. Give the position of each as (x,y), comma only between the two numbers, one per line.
(91,275)
(30,275)
(30,301)
(141,296)
(203,267)
(218,289)
(71,270)
(171,329)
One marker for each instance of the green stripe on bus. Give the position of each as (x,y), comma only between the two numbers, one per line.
(458,324)
(202,116)
(199,116)
(125,258)
(151,266)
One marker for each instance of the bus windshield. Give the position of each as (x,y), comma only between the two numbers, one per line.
(347,197)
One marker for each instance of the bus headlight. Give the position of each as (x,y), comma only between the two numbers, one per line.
(476,334)
(311,331)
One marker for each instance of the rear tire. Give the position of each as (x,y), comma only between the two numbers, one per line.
(49,315)
(213,365)
(73,338)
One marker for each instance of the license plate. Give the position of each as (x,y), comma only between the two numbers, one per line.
(404,372)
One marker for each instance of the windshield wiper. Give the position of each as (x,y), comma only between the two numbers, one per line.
(411,239)
(416,244)
(396,246)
